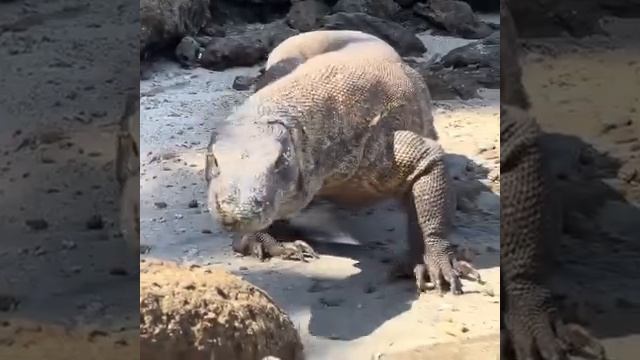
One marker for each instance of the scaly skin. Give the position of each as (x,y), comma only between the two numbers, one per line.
(299,48)
(532,325)
(352,126)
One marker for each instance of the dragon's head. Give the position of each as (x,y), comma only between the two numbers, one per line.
(253,174)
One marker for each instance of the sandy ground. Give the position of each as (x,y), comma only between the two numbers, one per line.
(343,303)
(591,89)
(65,67)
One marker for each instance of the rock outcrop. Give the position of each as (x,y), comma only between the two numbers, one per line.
(195,313)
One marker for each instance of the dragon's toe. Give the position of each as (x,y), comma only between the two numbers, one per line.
(442,272)
(534,332)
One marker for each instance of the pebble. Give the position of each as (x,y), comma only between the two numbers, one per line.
(68,245)
(95,222)
(331,302)
(193,204)
(118,271)
(8,303)
(144,249)
(242,83)
(39,251)
(37,224)
(160,204)
(370,288)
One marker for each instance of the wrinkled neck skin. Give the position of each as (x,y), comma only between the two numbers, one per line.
(257,177)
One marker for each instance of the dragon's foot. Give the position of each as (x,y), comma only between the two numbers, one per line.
(404,269)
(264,246)
(297,250)
(467,271)
(534,332)
(449,273)
(444,271)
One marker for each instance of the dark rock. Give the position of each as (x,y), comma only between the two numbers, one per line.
(331,302)
(246,49)
(404,41)
(408,20)
(306,15)
(243,83)
(464,70)
(193,204)
(8,303)
(118,271)
(621,8)
(37,224)
(484,53)
(227,12)
(160,204)
(548,18)
(95,223)
(406,3)
(189,51)
(378,8)
(484,5)
(455,17)
(164,23)
(213,30)
(453,83)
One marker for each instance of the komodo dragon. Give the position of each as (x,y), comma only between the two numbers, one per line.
(533,327)
(297,49)
(351,126)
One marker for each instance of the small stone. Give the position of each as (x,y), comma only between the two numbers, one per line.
(370,288)
(8,303)
(68,245)
(45,159)
(243,268)
(624,303)
(242,83)
(178,216)
(160,204)
(144,249)
(39,251)
(37,224)
(118,271)
(193,204)
(317,286)
(464,329)
(76,269)
(95,222)
(207,231)
(331,302)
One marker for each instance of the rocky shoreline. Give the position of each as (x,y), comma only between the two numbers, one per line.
(227,36)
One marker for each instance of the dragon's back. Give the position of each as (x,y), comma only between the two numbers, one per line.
(346,106)
(353,92)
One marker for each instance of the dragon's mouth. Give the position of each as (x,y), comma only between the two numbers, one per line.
(243,224)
